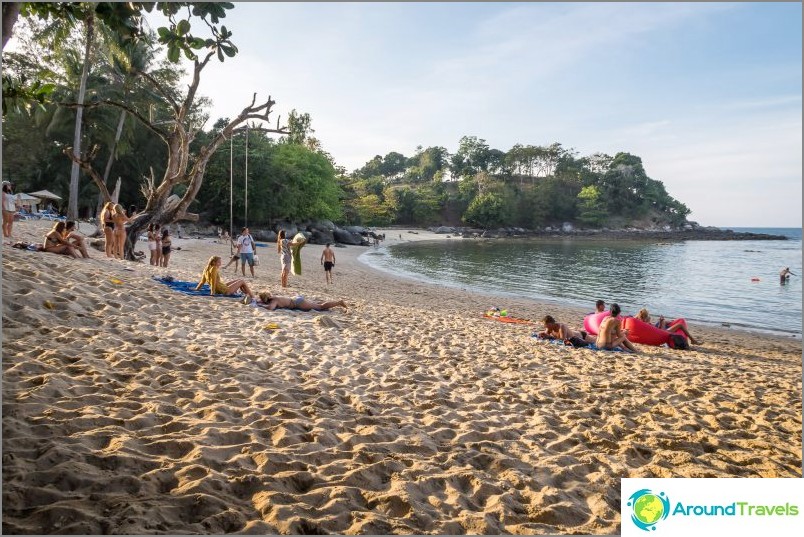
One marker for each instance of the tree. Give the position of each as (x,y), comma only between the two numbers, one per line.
(184,170)
(592,211)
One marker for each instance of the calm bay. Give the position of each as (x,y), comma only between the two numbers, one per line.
(718,283)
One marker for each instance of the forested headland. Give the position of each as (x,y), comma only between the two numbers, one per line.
(134,105)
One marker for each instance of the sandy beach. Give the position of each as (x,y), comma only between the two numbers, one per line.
(129,408)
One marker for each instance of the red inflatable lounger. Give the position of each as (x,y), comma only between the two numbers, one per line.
(647,334)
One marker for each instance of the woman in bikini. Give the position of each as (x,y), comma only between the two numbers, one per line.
(120,220)
(55,243)
(166,248)
(212,276)
(271,302)
(611,335)
(107,223)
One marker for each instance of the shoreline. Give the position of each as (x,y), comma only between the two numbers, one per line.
(577,311)
(133,409)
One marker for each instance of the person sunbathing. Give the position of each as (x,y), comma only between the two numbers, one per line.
(272,302)
(556,330)
(676,326)
(212,276)
(611,335)
(55,243)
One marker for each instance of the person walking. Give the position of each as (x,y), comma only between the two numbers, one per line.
(328,260)
(245,248)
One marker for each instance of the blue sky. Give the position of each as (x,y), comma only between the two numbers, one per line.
(707,94)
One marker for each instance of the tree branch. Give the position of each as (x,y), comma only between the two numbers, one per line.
(146,123)
(86,165)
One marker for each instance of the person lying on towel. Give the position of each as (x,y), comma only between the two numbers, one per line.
(272,302)
(555,330)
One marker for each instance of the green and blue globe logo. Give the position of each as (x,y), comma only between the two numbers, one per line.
(648,508)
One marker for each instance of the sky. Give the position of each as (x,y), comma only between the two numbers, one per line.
(707,94)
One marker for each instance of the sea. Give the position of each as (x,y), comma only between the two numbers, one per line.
(716,283)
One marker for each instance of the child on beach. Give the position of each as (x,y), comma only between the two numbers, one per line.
(328,260)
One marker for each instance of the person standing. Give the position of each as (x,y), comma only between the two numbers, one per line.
(9,209)
(245,248)
(784,275)
(107,223)
(119,218)
(166,246)
(328,260)
(283,249)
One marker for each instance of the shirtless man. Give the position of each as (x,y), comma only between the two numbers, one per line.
(556,330)
(328,260)
(271,302)
(610,335)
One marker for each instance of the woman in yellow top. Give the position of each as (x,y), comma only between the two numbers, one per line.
(212,276)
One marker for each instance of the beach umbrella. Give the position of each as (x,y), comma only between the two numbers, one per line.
(46,195)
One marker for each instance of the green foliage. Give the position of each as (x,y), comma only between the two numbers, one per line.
(592,211)
(486,211)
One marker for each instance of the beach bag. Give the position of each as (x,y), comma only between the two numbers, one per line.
(256,260)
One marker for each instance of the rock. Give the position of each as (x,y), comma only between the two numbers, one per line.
(345,236)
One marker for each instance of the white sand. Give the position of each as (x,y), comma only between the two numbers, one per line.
(130,408)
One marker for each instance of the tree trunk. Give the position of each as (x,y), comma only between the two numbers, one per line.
(11,10)
(72,206)
(109,162)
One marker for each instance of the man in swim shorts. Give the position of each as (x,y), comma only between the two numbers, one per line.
(328,260)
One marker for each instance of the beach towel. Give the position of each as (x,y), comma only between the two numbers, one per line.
(508,319)
(561,342)
(295,252)
(188,288)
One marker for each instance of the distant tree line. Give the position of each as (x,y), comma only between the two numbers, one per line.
(136,116)
(527,186)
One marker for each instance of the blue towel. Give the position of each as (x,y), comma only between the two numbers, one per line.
(261,244)
(188,288)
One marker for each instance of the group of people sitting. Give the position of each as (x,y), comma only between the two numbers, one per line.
(63,238)
(212,277)
(610,334)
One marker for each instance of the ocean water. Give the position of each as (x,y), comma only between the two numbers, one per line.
(733,283)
